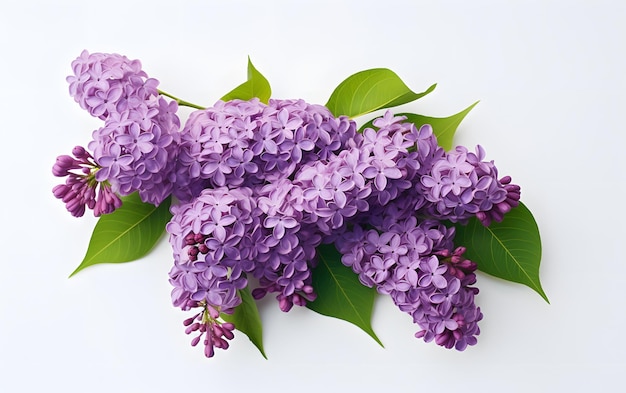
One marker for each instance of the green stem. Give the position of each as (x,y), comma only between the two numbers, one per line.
(180,102)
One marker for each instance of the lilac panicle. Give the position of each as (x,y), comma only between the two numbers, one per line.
(208,267)
(412,262)
(137,147)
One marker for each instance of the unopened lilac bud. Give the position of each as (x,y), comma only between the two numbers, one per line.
(503,207)
(63,165)
(190,239)
(506,180)
(80,153)
(284,304)
(259,293)
(483,218)
(298,300)
(208,348)
(219,342)
(196,340)
(193,251)
(71,196)
(192,328)
(497,215)
(228,334)
(60,190)
(217,330)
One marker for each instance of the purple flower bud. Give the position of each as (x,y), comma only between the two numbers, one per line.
(79,190)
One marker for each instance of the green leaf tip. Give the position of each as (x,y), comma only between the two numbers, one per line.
(127,234)
(256,86)
(444,128)
(247,320)
(510,250)
(371,90)
(340,294)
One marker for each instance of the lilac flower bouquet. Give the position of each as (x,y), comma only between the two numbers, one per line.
(284,198)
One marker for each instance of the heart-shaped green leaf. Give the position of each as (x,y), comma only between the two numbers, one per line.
(370,90)
(126,234)
(247,319)
(510,249)
(340,294)
(256,86)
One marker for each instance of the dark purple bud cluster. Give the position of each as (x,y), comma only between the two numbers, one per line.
(207,324)
(81,190)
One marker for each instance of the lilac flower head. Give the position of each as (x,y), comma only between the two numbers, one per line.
(210,260)
(248,143)
(423,277)
(138,145)
(104,83)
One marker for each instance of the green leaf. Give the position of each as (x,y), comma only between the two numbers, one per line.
(510,250)
(255,86)
(126,234)
(370,90)
(340,294)
(247,319)
(444,128)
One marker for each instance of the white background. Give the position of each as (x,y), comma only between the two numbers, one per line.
(551,77)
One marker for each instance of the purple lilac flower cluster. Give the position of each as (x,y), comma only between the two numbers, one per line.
(258,187)
(261,186)
(136,148)
(414,262)
(242,212)
(247,143)
(369,192)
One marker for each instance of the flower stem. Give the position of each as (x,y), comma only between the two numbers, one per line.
(181,102)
